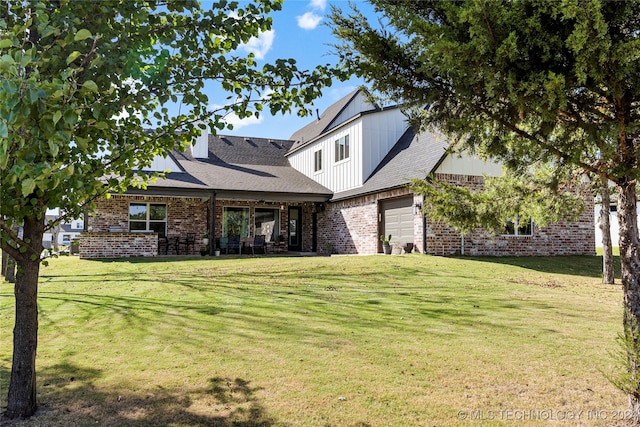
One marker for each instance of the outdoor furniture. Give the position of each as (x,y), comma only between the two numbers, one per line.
(245,244)
(224,245)
(279,245)
(179,242)
(234,244)
(191,241)
(258,242)
(163,244)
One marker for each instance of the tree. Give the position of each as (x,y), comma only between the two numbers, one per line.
(84,103)
(523,81)
(540,195)
(608,271)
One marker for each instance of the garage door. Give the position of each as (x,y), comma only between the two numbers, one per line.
(397,219)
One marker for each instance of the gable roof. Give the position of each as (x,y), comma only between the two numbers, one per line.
(242,165)
(413,156)
(308,133)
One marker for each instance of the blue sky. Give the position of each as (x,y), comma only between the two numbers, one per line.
(299,32)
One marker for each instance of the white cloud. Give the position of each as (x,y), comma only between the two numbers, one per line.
(260,45)
(309,21)
(239,123)
(318,4)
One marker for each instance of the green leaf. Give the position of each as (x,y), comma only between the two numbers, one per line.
(70,117)
(4,130)
(90,85)
(82,35)
(28,185)
(56,117)
(53,148)
(5,43)
(73,56)
(34,95)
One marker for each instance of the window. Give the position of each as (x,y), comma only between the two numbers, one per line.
(518,227)
(66,239)
(235,222)
(317,161)
(342,148)
(148,217)
(267,222)
(613,208)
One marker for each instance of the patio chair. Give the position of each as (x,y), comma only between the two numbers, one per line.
(191,241)
(234,243)
(259,242)
(163,244)
(177,242)
(224,245)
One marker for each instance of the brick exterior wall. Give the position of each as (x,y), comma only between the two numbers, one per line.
(348,226)
(576,238)
(184,215)
(117,245)
(352,227)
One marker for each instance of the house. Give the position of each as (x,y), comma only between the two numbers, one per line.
(614,226)
(339,182)
(64,232)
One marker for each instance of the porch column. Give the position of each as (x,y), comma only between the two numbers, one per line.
(212,222)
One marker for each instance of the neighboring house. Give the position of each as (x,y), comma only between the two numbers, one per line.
(63,233)
(339,182)
(613,224)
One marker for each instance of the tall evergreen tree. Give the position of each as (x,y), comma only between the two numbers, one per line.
(524,81)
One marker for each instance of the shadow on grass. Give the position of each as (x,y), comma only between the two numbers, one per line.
(68,396)
(283,301)
(580,265)
(583,265)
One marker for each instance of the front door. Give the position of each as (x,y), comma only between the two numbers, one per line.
(295,229)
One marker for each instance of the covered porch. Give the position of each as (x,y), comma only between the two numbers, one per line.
(142,223)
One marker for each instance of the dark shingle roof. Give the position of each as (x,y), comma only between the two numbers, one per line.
(244,165)
(303,136)
(413,156)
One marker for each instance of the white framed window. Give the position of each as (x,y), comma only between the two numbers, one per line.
(317,161)
(148,217)
(342,148)
(518,227)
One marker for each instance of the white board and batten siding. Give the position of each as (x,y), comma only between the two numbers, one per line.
(161,164)
(336,176)
(371,137)
(381,131)
(357,105)
(467,164)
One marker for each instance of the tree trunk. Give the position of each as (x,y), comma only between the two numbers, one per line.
(3,267)
(10,270)
(21,400)
(608,275)
(630,263)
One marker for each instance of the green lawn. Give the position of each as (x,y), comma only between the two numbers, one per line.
(341,341)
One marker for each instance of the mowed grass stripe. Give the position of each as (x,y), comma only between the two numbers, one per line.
(380,341)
